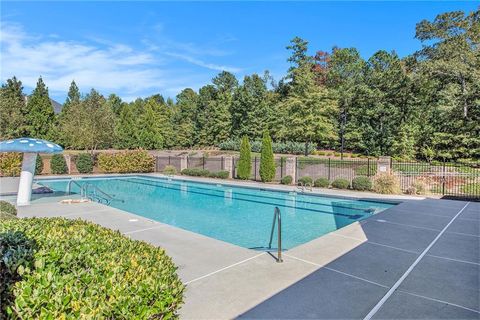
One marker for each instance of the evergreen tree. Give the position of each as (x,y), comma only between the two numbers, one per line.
(40,115)
(149,133)
(267,161)
(184,117)
(73,97)
(125,129)
(12,110)
(244,168)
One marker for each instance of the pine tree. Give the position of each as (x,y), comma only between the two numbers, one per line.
(244,168)
(125,129)
(73,97)
(267,161)
(40,116)
(12,110)
(184,118)
(149,134)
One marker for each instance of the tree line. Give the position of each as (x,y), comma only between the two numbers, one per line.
(425,105)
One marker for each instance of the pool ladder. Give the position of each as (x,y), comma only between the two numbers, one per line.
(97,194)
(277,219)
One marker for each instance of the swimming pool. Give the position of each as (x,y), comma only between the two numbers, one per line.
(242,216)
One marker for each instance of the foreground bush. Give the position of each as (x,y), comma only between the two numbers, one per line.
(286,180)
(341,183)
(305,181)
(58,165)
(361,184)
(321,183)
(386,184)
(127,161)
(10,164)
(84,163)
(84,271)
(196,172)
(7,208)
(267,162)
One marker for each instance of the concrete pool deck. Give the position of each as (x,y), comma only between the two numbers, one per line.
(419,259)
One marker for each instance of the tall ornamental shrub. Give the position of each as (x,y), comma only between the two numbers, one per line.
(84,163)
(267,162)
(245,161)
(58,164)
(39,165)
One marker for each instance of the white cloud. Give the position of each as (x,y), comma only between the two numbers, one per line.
(203,64)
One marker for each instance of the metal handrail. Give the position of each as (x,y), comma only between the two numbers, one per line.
(84,191)
(69,187)
(277,218)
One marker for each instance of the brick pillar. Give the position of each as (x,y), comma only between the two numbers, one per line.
(228,165)
(383,165)
(183,162)
(291,167)
(68,160)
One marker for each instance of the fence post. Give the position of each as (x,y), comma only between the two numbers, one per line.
(291,168)
(255,170)
(227,165)
(281,168)
(368,167)
(222,165)
(183,162)
(203,162)
(329,169)
(384,165)
(296,171)
(68,160)
(169,160)
(443,178)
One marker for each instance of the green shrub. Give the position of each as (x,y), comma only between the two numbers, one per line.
(7,208)
(286,180)
(82,270)
(321,183)
(305,181)
(10,164)
(84,163)
(196,172)
(169,170)
(244,168)
(471,188)
(361,184)
(267,162)
(386,184)
(58,165)
(341,183)
(126,161)
(219,174)
(337,154)
(39,165)
(16,256)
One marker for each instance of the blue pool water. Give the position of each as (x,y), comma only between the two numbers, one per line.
(242,216)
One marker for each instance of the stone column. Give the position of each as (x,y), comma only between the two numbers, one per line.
(383,165)
(183,162)
(291,168)
(68,160)
(228,165)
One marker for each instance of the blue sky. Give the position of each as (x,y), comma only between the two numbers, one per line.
(142,48)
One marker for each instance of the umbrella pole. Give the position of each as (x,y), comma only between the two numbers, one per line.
(26,179)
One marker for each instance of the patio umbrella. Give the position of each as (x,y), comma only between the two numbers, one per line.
(30,147)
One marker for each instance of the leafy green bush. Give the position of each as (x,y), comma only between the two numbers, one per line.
(321,183)
(244,168)
(10,164)
(39,165)
(7,208)
(16,256)
(267,162)
(219,174)
(82,270)
(126,161)
(471,188)
(288,147)
(337,154)
(169,170)
(386,184)
(84,163)
(196,172)
(361,184)
(286,180)
(305,181)
(341,183)
(58,165)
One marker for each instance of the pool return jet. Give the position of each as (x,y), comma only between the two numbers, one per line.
(30,147)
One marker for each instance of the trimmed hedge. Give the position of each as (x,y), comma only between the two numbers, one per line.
(58,165)
(82,270)
(10,164)
(321,183)
(267,161)
(305,181)
(196,172)
(84,163)
(126,162)
(219,174)
(39,165)
(341,183)
(288,147)
(361,184)
(286,180)
(244,167)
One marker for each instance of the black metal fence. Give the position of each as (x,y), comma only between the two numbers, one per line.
(423,178)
